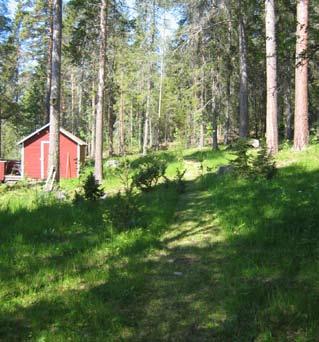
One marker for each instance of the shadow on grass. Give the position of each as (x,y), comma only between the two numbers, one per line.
(54,255)
(259,282)
(239,263)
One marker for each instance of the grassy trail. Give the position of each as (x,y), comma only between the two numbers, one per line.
(180,293)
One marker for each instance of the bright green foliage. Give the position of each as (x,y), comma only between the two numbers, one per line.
(92,190)
(149,172)
(248,163)
(263,164)
(241,163)
(180,181)
(123,212)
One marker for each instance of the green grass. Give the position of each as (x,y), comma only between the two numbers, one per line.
(229,260)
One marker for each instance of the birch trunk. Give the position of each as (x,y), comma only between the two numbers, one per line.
(271,61)
(54,146)
(100,94)
(301,136)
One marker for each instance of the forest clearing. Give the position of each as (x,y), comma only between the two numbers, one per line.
(159,170)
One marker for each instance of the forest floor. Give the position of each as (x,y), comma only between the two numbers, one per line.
(227,260)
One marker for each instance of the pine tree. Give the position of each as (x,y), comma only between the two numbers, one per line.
(55,102)
(271,57)
(301,136)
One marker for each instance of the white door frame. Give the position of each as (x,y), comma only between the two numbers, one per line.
(42,158)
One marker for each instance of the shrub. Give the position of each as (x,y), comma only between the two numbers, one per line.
(124,172)
(263,164)
(247,164)
(179,180)
(149,173)
(92,190)
(241,164)
(123,212)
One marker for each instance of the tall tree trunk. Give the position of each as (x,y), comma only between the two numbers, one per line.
(80,104)
(228,75)
(72,100)
(214,116)
(289,115)
(55,108)
(160,100)
(122,120)
(202,108)
(111,120)
(131,126)
(100,94)
(243,87)
(110,110)
(147,115)
(49,62)
(140,130)
(150,130)
(301,136)
(271,59)
(93,118)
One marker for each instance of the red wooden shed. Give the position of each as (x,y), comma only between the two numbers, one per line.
(35,154)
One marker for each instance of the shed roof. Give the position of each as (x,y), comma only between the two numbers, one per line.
(62,130)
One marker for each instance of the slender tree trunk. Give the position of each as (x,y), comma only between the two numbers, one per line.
(228,75)
(80,104)
(301,136)
(55,108)
(214,116)
(243,87)
(271,59)
(72,100)
(111,129)
(150,141)
(140,131)
(49,62)
(93,119)
(160,100)
(131,127)
(111,116)
(289,116)
(122,120)
(100,94)
(147,116)
(202,110)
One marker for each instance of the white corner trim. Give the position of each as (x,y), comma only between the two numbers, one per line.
(22,161)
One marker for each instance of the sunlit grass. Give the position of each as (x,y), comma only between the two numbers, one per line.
(229,260)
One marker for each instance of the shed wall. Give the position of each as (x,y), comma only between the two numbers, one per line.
(2,170)
(32,156)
